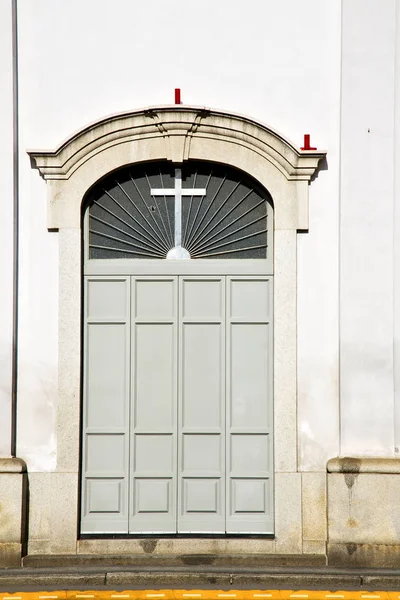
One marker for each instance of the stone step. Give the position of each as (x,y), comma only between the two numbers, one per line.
(182,560)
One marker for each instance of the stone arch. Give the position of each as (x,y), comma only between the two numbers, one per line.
(177,134)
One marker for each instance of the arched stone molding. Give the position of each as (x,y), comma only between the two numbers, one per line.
(177,134)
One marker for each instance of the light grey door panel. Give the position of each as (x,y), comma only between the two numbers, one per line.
(106,406)
(153,483)
(201,444)
(178,418)
(249,405)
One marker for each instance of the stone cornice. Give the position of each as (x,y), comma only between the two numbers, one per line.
(178,126)
(12,465)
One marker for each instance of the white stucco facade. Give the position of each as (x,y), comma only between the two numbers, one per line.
(326,68)
(6,220)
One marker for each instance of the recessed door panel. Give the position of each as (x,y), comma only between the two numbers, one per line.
(107,375)
(155,299)
(154,384)
(105,468)
(200,302)
(105,301)
(249,375)
(249,418)
(201,443)
(202,374)
(153,465)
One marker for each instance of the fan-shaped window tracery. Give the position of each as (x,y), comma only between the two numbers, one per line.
(201,210)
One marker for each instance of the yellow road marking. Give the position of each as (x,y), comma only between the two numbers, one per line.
(202,594)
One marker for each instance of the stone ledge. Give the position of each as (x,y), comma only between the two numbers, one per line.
(12,465)
(353,464)
(193,561)
(17,580)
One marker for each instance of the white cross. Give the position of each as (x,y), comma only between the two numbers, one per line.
(178,192)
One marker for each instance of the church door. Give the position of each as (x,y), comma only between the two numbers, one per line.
(177,382)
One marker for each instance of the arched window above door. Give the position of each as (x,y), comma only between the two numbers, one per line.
(201,210)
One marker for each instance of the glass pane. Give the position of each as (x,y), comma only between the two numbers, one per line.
(130,216)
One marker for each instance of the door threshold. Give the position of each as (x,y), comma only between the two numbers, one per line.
(135,536)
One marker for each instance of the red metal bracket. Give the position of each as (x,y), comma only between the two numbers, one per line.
(178,96)
(307,142)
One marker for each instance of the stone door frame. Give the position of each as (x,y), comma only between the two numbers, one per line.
(174,133)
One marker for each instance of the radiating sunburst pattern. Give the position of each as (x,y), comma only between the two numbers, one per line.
(127,221)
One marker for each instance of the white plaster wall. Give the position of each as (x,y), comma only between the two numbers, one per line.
(6,224)
(366,261)
(277,62)
(270,61)
(38,287)
(318,273)
(396,235)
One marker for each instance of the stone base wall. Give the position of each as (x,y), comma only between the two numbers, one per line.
(300,522)
(13,506)
(364,512)
(364,555)
(349,514)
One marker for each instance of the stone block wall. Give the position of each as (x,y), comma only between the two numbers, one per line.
(363,512)
(13,506)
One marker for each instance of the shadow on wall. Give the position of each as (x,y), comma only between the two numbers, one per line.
(322,166)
